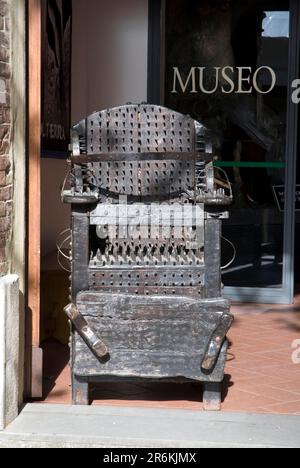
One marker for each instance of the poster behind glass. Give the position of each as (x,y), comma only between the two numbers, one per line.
(56,76)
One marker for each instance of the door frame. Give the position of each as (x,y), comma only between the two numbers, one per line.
(285,294)
(34,355)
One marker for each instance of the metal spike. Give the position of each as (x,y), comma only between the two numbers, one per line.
(190,257)
(102,259)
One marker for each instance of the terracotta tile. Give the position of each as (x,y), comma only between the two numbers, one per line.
(254,362)
(288,372)
(257,379)
(244,399)
(267,390)
(273,380)
(285,353)
(284,408)
(291,386)
(253,349)
(237,374)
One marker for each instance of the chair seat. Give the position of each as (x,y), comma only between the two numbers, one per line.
(155,337)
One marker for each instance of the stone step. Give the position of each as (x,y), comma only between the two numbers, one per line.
(59,426)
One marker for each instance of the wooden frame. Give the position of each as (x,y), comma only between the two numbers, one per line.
(133,296)
(34,353)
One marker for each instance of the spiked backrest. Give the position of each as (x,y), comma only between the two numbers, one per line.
(141,151)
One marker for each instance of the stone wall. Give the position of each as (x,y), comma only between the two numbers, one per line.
(12,205)
(6,189)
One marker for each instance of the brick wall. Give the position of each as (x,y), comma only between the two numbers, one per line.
(5,135)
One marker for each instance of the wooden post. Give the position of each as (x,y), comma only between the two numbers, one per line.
(34,197)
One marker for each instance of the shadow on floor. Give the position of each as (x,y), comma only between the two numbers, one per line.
(157,392)
(55,359)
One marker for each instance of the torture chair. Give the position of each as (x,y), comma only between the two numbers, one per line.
(146,296)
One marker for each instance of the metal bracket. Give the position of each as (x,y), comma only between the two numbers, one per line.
(96,345)
(69,196)
(75,144)
(216,342)
(219,215)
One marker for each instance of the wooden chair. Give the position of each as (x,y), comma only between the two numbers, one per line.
(146,298)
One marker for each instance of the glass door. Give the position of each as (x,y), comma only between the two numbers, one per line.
(230,65)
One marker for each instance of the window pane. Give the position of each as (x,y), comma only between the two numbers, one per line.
(239,53)
(276,24)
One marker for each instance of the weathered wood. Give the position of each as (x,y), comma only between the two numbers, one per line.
(125,157)
(212,258)
(212,396)
(34,359)
(147,364)
(144,334)
(151,294)
(80,260)
(131,307)
(80,250)
(80,391)
(76,199)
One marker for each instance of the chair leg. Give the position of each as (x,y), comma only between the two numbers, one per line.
(212,394)
(80,392)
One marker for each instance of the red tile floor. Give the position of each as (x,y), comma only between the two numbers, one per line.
(260,374)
